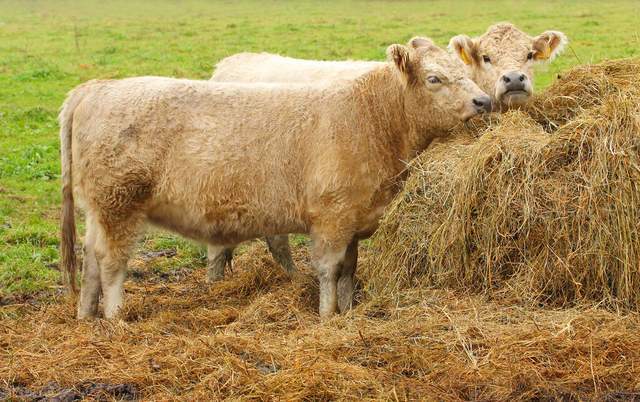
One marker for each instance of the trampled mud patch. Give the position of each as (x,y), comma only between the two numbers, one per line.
(55,393)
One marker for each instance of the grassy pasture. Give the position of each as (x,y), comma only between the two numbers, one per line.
(48,47)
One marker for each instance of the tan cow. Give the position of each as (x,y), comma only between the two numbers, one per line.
(267,67)
(500,62)
(226,162)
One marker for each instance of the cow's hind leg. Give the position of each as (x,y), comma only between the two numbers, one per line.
(347,272)
(91,287)
(218,258)
(279,248)
(112,249)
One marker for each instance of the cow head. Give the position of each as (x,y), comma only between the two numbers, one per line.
(438,93)
(501,61)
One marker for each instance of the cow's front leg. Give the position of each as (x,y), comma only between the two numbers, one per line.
(347,272)
(218,258)
(327,260)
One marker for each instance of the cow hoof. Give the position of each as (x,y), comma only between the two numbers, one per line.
(214,277)
(86,316)
(89,313)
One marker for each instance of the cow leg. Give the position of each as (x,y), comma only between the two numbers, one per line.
(91,287)
(112,250)
(279,248)
(347,272)
(327,260)
(218,257)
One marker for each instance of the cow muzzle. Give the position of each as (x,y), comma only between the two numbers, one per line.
(514,88)
(479,104)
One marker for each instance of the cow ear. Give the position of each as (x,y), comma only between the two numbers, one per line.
(400,56)
(548,45)
(464,47)
(420,41)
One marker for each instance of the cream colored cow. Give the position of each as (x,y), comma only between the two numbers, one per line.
(222,163)
(500,61)
(267,67)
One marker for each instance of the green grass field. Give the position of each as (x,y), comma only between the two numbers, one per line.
(48,47)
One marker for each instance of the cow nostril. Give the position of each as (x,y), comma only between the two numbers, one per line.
(522,77)
(482,103)
(506,79)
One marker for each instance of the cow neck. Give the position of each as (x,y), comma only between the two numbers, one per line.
(379,101)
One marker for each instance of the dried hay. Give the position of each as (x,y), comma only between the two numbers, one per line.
(490,215)
(528,211)
(584,87)
(257,336)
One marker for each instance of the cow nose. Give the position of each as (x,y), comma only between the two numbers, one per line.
(482,104)
(514,81)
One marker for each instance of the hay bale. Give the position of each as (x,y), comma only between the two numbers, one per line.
(581,88)
(530,211)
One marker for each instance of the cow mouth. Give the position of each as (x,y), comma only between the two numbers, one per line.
(470,115)
(515,97)
(517,92)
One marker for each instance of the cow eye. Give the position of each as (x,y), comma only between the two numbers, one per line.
(486,59)
(433,79)
(529,55)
